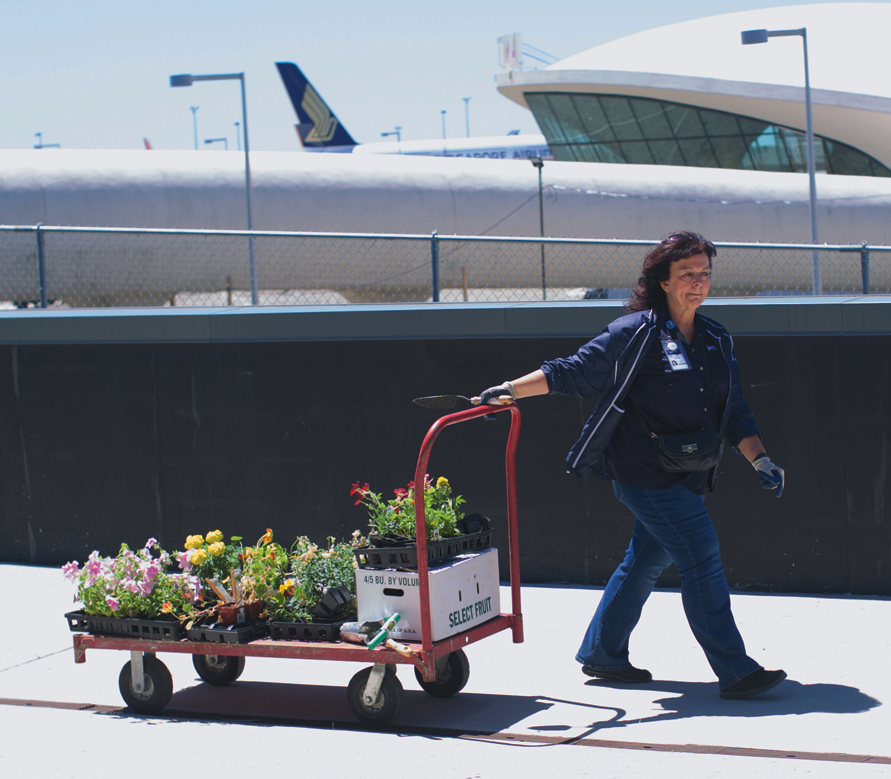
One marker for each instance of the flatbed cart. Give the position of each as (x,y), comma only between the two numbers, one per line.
(375,694)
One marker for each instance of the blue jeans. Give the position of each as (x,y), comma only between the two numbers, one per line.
(672,525)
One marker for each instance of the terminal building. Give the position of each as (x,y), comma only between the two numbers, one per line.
(690,94)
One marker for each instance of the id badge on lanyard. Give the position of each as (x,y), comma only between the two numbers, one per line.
(677,357)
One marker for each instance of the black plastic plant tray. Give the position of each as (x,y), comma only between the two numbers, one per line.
(438,552)
(126,627)
(233,634)
(306,631)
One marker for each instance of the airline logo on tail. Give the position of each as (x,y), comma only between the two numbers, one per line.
(323,123)
(319,128)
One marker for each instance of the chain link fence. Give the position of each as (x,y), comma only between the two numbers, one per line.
(92,267)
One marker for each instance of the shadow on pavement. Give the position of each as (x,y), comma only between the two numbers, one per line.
(700,699)
(318,704)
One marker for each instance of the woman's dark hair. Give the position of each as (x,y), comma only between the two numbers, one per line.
(657,267)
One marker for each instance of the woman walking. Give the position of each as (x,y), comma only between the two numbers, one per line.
(670,396)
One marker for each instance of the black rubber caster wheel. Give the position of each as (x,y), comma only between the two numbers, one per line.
(452,679)
(157,686)
(385,709)
(218,670)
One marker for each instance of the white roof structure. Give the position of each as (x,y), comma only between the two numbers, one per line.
(703,63)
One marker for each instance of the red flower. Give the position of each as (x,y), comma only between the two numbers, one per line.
(400,493)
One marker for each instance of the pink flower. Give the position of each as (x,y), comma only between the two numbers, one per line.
(70,570)
(112,603)
(93,565)
(183,559)
(151,543)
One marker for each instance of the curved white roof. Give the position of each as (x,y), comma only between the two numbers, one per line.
(847,48)
(704,63)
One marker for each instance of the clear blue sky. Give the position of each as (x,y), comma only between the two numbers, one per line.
(95,74)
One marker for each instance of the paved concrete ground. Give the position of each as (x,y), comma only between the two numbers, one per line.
(829,717)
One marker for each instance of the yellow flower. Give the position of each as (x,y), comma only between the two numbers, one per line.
(287,588)
(442,481)
(194,542)
(214,536)
(198,557)
(216,549)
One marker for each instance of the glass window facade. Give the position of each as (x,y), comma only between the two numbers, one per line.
(642,131)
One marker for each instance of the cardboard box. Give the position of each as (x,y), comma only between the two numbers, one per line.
(463,594)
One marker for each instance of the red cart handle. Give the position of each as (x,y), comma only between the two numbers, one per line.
(510,467)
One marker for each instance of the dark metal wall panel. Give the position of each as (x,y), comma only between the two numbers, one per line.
(110,442)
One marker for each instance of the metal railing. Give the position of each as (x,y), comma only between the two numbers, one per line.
(43,266)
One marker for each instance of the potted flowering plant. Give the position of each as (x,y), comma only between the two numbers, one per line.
(235,579)
(392,536)
(264,569)
(133,586)
(210,558)
(394,519)
(316,576)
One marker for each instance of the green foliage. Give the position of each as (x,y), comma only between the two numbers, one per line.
(396,517)
(312,572)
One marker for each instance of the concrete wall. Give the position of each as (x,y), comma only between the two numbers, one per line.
(120,425)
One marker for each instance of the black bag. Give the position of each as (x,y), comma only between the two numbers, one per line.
(699,450)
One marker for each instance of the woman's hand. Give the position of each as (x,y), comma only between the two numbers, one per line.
(493,393)
(772,476)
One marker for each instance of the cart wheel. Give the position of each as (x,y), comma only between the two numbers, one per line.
(385,709)
(218,670)
(157,686)
(452,679)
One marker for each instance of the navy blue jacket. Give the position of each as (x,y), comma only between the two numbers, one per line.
(607,365)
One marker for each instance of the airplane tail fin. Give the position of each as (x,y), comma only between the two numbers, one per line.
(319,128)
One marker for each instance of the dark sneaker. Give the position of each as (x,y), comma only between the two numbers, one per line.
(754,684)
(629,675)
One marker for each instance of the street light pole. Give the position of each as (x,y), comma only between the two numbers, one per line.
(217,140)
(538,162)
(237,136)
(194,109)
(467,114)
(762,36)
(443,133)
(186,80)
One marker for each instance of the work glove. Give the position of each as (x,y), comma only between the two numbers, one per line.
(493,393)
(772,476)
